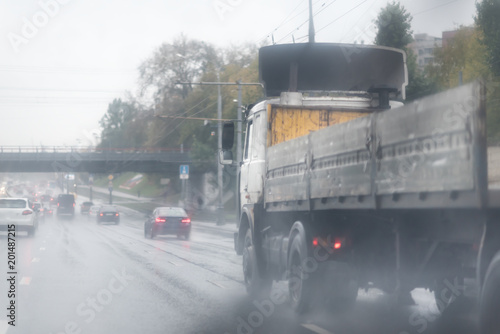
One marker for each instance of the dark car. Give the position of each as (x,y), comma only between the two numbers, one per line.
(48,212)
(39,210)
(108,213)
(85,207)
(66,205)
(46,199)
(168,220)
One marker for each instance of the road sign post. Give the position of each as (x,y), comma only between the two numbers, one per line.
(184,176)
(110,188)
(184,172)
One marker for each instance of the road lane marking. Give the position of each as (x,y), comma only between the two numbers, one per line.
(147,251)
(35,259)
(316,329)
(25,281)
(216,284)
(175,264)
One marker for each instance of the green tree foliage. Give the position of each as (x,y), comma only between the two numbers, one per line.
(488,20)
(394,26)
(167,106)
(122,126)
(462,54)
(394,30)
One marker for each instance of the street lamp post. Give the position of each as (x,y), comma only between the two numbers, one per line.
(220,206)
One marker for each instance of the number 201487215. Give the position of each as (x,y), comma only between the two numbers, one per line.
(11,246)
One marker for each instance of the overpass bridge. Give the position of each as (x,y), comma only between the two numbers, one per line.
(90,159)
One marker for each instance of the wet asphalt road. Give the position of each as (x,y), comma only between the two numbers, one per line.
(76,276)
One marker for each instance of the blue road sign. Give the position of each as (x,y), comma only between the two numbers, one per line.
(184,172)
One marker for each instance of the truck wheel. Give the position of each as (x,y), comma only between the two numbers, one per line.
(257,286)
(489,321)
(301,282)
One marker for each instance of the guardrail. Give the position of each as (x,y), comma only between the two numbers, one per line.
(86,149)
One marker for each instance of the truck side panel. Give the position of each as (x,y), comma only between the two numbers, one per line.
(425,154)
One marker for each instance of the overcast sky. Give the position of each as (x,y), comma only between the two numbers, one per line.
(63,61)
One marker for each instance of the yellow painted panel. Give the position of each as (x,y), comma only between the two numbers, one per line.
(288,123)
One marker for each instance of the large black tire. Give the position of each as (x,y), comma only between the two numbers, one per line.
(489,319)
(301,282)
(256,284)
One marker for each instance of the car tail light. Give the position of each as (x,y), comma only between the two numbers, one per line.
(117,214)
(27,212)
(73,204)
(102,214)
(160,220)
(186,220)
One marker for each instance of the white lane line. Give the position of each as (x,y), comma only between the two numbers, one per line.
(25,281)
(35,259)
(216,284)
(316,329)
(42,248)
(148,252)
(175,264)
(4,326)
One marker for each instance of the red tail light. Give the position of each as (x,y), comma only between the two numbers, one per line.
(101,214)
(27,212)
(315,242)
(117,214)
(73,204)
(337,245)
(160,220)
(186,220)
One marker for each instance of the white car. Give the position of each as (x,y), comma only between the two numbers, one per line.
(18,212)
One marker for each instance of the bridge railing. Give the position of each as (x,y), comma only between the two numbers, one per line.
(86,149)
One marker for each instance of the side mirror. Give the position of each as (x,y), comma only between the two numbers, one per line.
(226,157)
(227,136)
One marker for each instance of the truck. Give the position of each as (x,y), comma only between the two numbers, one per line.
(342,186)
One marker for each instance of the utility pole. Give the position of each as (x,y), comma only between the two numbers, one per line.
(220,207)
(311,23)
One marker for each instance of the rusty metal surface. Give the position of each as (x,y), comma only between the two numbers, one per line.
(286,123)
(426,154)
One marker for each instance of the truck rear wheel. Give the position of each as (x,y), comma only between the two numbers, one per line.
(301,282)
(489,320)
(256,284)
